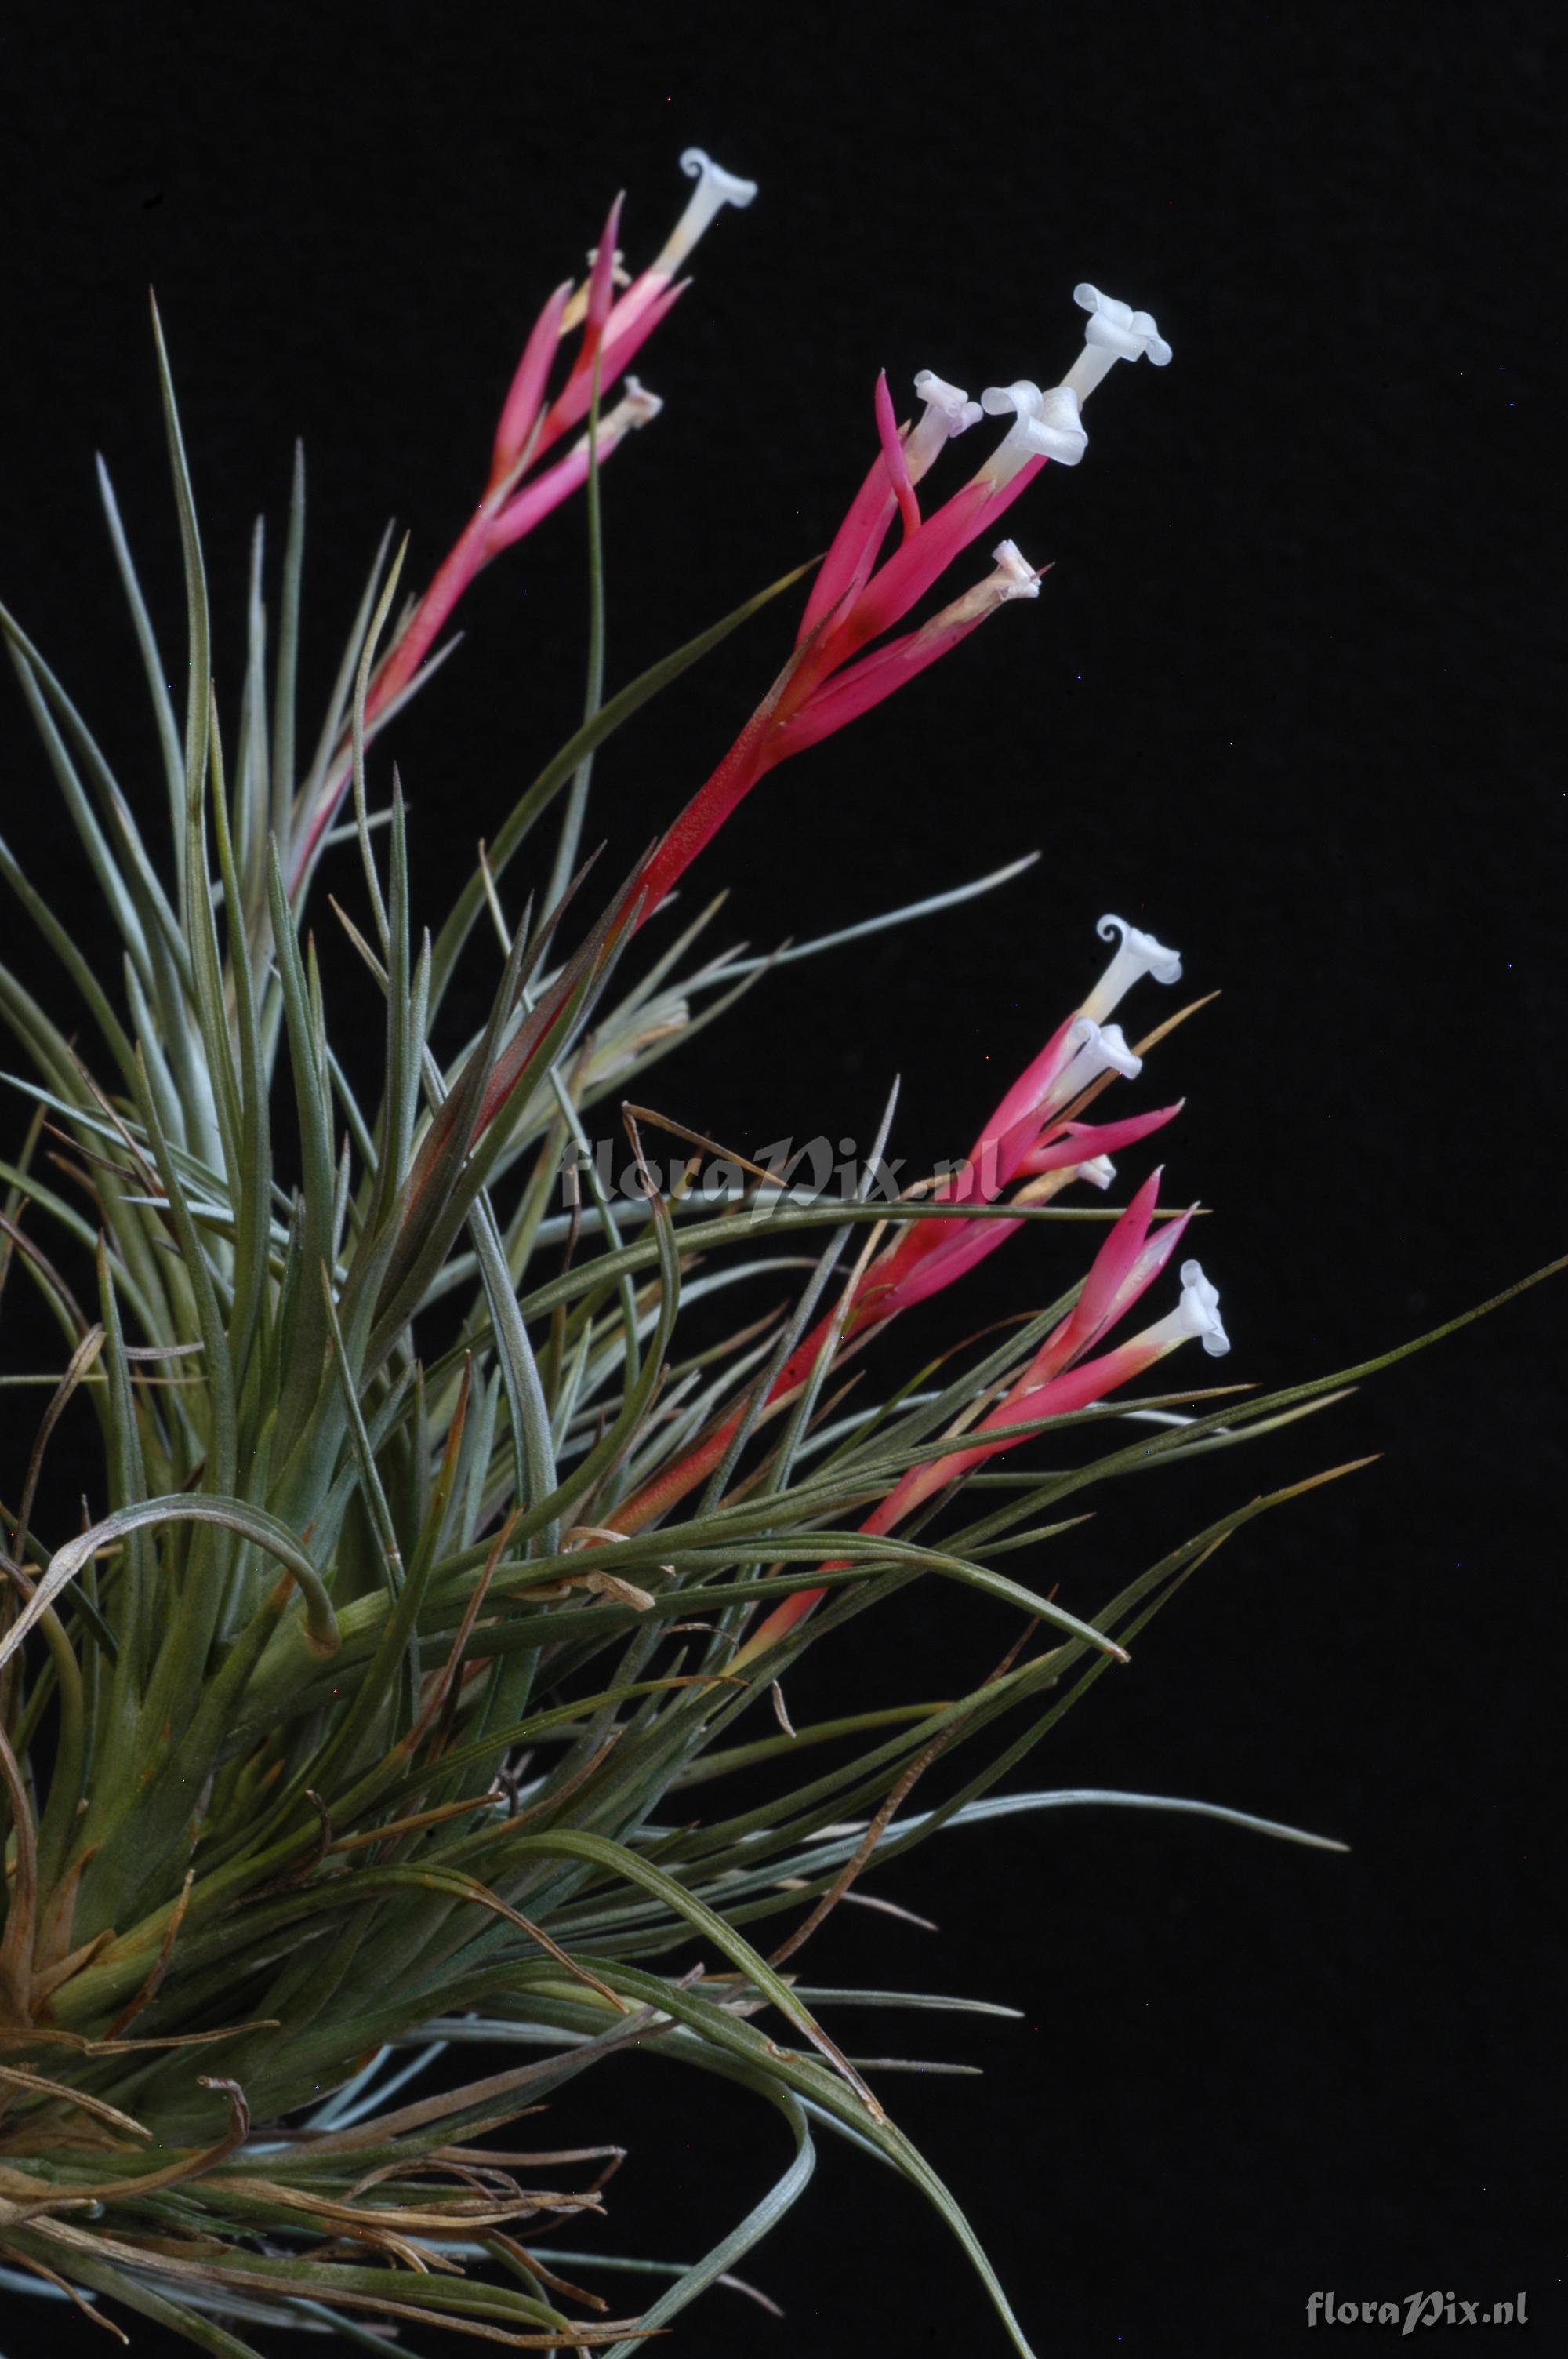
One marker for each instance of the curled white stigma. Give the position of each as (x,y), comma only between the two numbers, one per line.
(725,188)
(1198,1309)
(1045,426)
(951,400)
(715,189)
(1138,955)
(1058,432)
(948,411)
(1115,333)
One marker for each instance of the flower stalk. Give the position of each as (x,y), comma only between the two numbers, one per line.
(1060,1380)
(1031,1136)
(829,680)
(518,495)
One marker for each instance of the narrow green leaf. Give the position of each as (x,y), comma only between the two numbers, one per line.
(152,660)
(253,1524)
(285,694)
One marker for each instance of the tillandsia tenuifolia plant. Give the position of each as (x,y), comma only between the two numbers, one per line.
(384,1699)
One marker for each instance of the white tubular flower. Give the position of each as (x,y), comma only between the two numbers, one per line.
(1023,398)
(715,189)
(1013,577)
(636,407)
(1197,1313)
(1115,333)
(1046,426)
(1140,955)
(1099,1049)
(1199,1310)
(952,401)
(948,411)
(1100,1171)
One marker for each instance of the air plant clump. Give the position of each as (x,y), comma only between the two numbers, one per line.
(384,1696)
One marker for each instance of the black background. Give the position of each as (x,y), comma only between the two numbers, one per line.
(1289,699)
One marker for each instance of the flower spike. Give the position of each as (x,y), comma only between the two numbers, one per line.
(1115,333)
(1059,1381)
(516,498)
(858,594)
(1026,1140)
